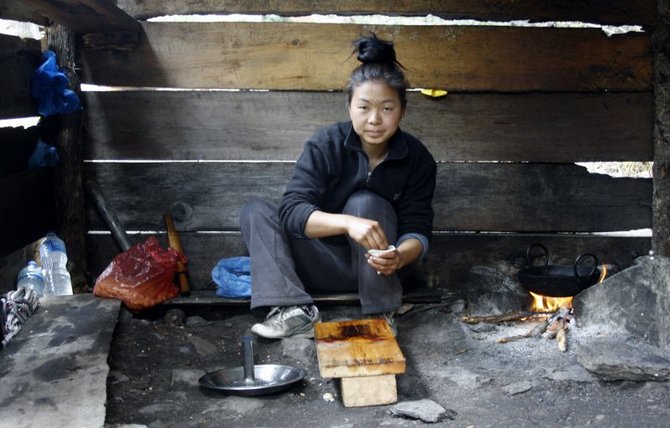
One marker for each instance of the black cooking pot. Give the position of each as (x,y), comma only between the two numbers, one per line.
(556,280)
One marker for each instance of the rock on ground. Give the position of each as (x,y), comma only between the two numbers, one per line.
(426,410)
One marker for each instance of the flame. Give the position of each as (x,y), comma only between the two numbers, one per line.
(603,273)
(552,304)
(549,304)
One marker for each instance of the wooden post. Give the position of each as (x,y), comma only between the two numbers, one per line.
(661,195)
(68,189)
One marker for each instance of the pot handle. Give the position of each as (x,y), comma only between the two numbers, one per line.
(530,257)
(595,266)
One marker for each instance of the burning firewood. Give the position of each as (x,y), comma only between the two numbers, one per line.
(558,330)
(561,339)
(538,329)
(554,327)
(535,331)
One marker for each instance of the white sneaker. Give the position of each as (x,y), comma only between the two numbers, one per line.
(288,321)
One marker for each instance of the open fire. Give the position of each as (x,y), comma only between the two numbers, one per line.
(550,316)
(543,304)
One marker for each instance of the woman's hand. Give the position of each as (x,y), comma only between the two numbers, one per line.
(385,262)
(367,233)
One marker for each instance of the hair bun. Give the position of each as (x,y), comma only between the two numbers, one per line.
(371,49)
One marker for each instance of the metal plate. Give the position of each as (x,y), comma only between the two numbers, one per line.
(269,379)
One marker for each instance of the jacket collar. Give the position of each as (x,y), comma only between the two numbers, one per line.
(397,145)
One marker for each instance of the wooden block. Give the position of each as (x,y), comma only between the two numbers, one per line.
(369,390)
(357,348)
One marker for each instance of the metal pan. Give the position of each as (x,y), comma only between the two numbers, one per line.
(558,280)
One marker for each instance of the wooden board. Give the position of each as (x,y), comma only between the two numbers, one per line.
(294,56)
(85,16)
(209,298)
(18,60)
(470,196)
(641,12)
(17,10)
(450,258)
(357,348)
(203,125)
(369,390)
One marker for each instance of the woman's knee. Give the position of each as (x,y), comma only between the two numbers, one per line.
(256,208)
(367,204)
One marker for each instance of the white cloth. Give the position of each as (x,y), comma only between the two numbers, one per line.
(17,307)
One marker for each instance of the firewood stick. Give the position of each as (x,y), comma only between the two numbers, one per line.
(535,331)
(553,328)
(538,329)
(561,339)
(175,242)
(512,316)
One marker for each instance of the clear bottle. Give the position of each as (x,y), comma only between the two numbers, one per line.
(54,261)
(31,277)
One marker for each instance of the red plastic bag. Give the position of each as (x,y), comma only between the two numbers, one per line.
(141,277)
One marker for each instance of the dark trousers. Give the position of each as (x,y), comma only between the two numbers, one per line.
(285,270)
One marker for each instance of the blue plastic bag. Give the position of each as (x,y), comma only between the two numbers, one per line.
(50,87)
(233,277)
(43,155)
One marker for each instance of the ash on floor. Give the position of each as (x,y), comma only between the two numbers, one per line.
(156,362)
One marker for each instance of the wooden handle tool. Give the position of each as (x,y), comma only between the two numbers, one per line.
(175,242)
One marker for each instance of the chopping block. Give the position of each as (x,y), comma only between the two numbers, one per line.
(364,355)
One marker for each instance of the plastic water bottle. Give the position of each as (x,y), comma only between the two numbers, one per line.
(54,260)
(31,277)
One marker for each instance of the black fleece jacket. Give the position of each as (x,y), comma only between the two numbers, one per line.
(333,166)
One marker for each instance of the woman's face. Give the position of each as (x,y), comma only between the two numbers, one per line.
(375,112)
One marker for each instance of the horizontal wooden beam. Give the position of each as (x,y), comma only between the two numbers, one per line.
(18,10)
(450,258)
(469,196)
(614,12)
(86,16)
(559,127)
(292,56)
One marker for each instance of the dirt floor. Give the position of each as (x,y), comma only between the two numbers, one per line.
(155,364)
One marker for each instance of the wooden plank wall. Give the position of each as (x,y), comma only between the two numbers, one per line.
(524,104)
(27,207)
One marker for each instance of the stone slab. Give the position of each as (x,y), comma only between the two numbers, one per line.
(426,410)
(634,302)
(54,371)
(613,360)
